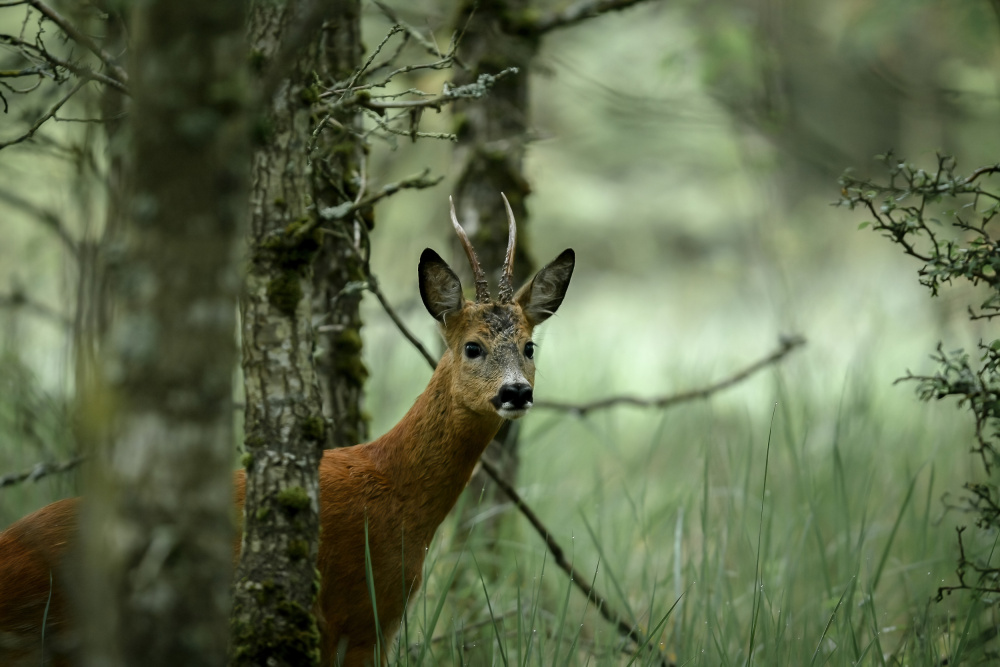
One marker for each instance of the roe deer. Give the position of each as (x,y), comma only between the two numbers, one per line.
(402,484)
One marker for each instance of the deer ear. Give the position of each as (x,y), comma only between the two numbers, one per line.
(440,288)
(541,297)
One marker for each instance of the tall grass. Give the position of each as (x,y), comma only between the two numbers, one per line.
(835,560)
(670,514)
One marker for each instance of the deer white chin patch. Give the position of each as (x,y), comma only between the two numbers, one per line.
(511,413)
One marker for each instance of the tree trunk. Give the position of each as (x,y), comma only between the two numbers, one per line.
(492,134)
(338,176)
(158,531)
(273,622)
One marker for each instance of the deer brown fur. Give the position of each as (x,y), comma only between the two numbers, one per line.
(398,488)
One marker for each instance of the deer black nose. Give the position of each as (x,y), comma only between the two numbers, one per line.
(514,396)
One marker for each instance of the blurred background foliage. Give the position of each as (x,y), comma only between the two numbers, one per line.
(689,152)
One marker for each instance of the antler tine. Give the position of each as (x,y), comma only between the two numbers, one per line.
(482,287)
(506,287)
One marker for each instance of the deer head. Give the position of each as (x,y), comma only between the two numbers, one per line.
(489,340)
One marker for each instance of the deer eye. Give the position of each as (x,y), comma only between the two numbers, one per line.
(529,350)
(473,350)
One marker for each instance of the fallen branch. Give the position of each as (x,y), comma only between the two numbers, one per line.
(787,345)
(41,470)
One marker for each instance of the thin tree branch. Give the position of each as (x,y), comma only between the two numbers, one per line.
(992,169)
(46,217)
(418,37)
(593,596)
(787,345)
(372,285)
(80,70)
(18,299)
(80,38)
(575,13)
(41,121)
(41,470)
(347,209)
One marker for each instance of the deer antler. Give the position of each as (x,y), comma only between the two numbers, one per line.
(506,288)
(482,287)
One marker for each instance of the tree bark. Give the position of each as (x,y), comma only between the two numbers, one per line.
(276,585)
(338,177)
(158,527)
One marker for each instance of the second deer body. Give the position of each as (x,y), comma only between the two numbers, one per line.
(394,491)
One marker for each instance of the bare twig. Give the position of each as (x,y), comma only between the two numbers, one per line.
(87,73)
(578,580)
(992,169)
(417,36)
(46,217)
(385,127)
(575,13)
(347,209)
(372,285)
(40,470)
(80,38)
(41,121)
(787,345)
(18,299)
(475,90)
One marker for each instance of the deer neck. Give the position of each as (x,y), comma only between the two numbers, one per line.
(430,454)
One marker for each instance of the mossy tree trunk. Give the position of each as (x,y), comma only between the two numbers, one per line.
(338,177)
(492,135)
(158,522)
(276,585)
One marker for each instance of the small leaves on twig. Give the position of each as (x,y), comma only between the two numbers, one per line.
(900,211)
(943,219)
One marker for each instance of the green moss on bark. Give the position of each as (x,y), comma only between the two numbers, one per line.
(347,356)
(293,499)
(314,428)
(293,631)
(284,292)
(298,549)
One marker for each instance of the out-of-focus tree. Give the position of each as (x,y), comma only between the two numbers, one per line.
(832,84)
(157,528)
